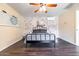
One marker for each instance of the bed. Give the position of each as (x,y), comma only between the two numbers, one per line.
(39,34)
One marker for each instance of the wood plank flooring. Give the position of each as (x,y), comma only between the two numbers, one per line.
(63,48)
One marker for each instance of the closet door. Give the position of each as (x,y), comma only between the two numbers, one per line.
(77,27)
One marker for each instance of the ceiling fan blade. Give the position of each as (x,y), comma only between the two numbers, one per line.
(46,11)
(51,5)
(36,11)
(35,4)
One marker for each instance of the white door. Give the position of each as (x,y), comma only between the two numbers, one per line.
(77,27)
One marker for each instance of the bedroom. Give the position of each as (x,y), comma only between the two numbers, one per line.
(59,20)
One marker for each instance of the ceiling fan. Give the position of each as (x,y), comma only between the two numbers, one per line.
(42,6)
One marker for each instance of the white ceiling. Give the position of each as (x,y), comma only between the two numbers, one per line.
(28,10)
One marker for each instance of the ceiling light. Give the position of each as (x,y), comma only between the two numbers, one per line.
(43,8)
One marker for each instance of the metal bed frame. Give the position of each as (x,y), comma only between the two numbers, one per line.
(40,34)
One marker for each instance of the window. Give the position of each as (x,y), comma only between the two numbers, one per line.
(51,18)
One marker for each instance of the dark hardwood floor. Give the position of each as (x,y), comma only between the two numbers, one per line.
(62,48)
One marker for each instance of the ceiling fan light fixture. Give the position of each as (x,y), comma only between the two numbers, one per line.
(43,8)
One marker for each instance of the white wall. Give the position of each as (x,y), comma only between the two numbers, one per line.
(67,24)
(52,25)
(10,35)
